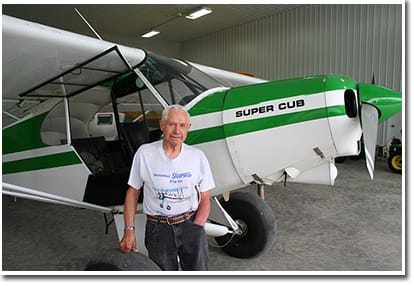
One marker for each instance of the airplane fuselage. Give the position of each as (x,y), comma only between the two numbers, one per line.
(255,133)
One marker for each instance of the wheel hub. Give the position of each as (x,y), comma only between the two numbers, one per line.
(242,228)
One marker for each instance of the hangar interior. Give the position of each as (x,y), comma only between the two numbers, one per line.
(354,226)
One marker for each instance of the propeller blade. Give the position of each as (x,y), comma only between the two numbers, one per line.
(369,121)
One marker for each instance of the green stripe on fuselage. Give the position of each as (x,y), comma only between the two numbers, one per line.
(41,162)
(24,135)
(258,93)
(254,125)
(205,135)
(273,90)
(209,104)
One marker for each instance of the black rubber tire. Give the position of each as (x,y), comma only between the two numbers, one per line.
(260,221)
(114,260)
(395,163)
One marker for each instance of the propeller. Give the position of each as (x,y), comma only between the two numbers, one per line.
(377,105)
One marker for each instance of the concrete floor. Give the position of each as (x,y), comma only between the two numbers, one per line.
(354,226)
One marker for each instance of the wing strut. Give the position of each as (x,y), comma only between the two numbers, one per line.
(26,193)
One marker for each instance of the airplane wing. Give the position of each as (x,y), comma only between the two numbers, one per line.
(30,57)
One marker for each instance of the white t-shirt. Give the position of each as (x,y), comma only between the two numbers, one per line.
(170,185)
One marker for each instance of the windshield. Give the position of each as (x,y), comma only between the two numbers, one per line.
(178,82)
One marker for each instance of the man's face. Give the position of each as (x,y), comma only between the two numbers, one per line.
(175,128)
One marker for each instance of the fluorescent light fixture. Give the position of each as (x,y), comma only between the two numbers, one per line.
(150,34)
(199,13)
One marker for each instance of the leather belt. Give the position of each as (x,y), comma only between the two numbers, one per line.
(171,219)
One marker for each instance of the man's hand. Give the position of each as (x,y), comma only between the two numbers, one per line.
(128,242)
(203,209)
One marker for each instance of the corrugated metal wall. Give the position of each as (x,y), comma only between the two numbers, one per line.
(353,40)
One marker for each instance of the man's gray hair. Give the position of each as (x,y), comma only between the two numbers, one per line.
(167,110)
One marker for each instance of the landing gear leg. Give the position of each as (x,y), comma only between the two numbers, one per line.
(261,191)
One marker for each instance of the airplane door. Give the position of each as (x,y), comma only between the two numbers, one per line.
(277,125)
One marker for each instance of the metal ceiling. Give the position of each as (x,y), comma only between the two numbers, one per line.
(117,21)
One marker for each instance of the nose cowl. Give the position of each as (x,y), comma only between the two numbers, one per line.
(387,101)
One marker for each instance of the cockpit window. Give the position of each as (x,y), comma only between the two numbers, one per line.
(178,82)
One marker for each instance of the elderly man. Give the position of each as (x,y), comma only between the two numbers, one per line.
(176,180)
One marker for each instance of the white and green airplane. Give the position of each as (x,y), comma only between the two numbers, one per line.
(75,109)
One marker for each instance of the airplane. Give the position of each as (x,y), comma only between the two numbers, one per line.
(76,108)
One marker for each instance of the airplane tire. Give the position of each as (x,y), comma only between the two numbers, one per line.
(257,221)
(115,260)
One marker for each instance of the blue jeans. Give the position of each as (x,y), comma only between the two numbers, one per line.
(186,240)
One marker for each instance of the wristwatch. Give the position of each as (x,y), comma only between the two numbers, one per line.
(129,227)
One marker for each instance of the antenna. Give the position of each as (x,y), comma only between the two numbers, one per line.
(89,25)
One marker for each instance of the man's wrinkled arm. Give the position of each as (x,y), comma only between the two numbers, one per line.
(203,209)
(128,242)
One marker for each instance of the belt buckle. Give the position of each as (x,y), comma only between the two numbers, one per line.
(179,219)
(187,215)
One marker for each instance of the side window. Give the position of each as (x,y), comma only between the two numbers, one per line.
(53,130)
(130,108)
(89,115)
(83,110)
